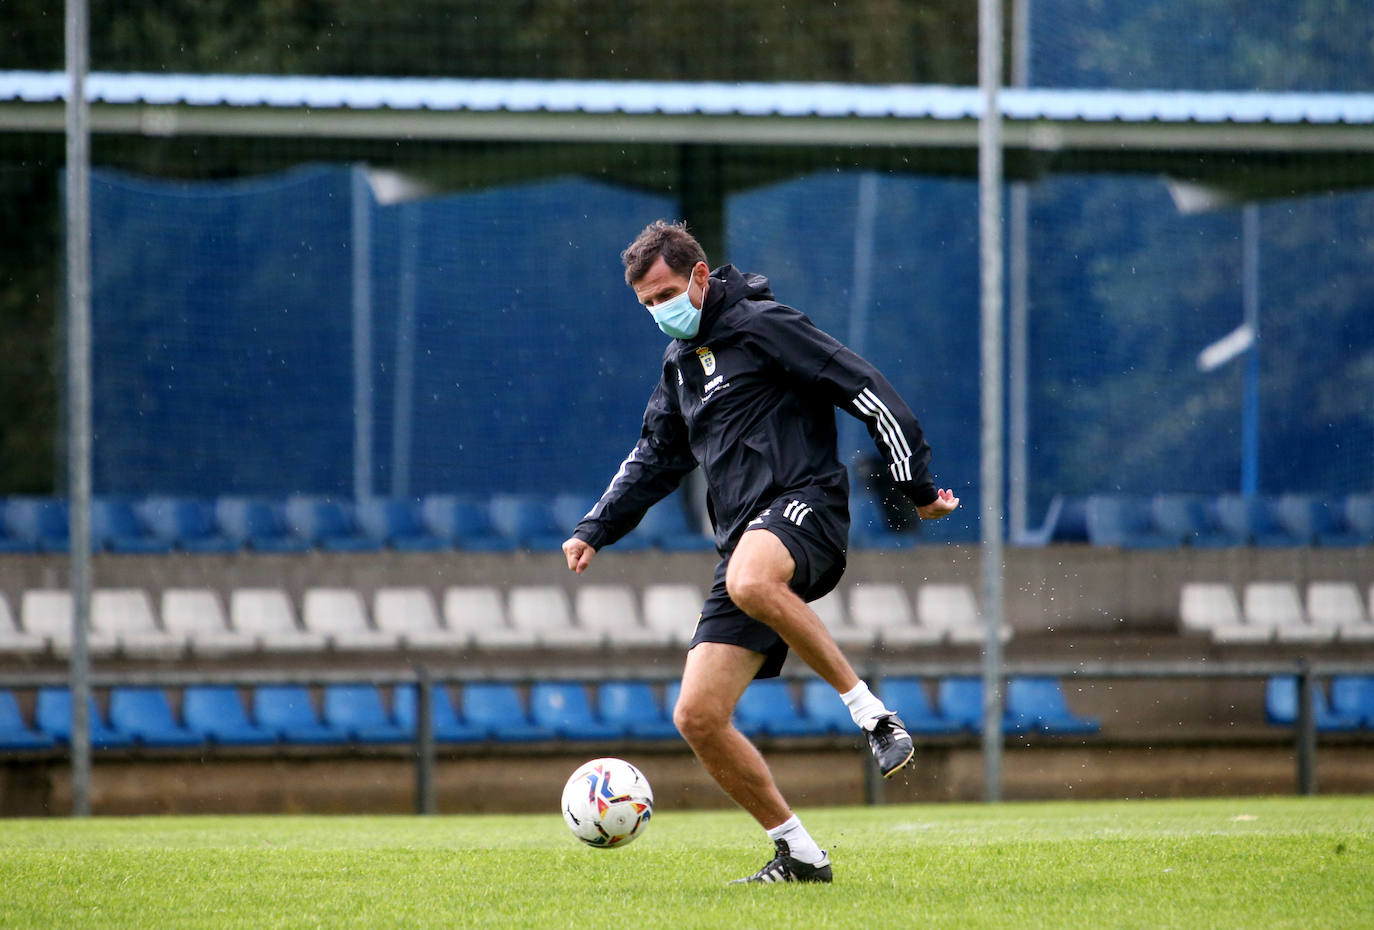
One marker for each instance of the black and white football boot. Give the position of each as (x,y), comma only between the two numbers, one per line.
(784,868)
(891,744)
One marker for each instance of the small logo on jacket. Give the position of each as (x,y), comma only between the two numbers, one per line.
(708,360)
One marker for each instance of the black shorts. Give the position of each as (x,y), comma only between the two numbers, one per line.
(815,536)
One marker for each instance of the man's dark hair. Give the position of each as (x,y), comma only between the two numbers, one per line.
(679,248)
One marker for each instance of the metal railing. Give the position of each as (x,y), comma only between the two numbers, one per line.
(425,678)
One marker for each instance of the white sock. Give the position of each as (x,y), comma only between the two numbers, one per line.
(800,845)
(864,706)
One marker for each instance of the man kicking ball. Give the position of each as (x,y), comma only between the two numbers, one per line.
(748,392)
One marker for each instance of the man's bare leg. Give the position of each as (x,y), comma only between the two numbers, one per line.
(757,581)
(715,676)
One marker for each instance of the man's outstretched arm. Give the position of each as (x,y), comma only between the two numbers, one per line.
(857,387)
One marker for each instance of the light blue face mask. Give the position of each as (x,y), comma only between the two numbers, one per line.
(676,316)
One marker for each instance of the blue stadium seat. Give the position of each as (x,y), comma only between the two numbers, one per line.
(328,524)
(359,712)
(526,519)
(117,527)
(1189,518)
(396,523)
(257,524)
(1071,524)
(1252,521)
(960,700)
(632,706)
(8,541)
(1359,515)
(40,523)
(1042,701)
(185,524)
(666,527)
(287,712)
(216,712)
(568,509)
(1281,706)
(1125,521)
(144,714)
(14,732)
(1042,534)
(448,727)
(822,703)
(563,707)
(1353,696)
(907,696)
(767,707)
(52,714)
(496,708)
(463,523)
(1316,521)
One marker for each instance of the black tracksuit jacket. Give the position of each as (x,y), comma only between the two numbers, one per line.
(751,399)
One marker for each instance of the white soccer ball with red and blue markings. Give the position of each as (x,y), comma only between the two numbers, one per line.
(607,802)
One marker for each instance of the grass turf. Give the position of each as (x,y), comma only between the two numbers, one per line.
(1244,863)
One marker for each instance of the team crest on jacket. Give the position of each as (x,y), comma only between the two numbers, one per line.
(708,359)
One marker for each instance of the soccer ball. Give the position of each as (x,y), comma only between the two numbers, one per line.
(607,802)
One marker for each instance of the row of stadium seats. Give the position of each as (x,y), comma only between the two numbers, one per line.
(493,711)
(1203,521)
(503,523)
(1349,706)
(1276,611)
(126,620)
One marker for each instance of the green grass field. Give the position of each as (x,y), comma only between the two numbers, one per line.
(1246,863)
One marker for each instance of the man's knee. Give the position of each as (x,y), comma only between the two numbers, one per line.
(750,591)
(699,721)
(758,572)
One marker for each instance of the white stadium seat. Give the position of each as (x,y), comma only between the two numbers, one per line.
(14,640)
(1277,606)
(673,610)
(268,616)
(196,615)
(478,611)
(340,615)
(411,615)
(47,612)
(126,615)
(545,613)
(952,610)
(1337,605)
(1212,608)
(886,609)
(611,612)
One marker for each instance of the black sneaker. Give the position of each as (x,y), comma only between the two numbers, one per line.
(784,868)
(891,744)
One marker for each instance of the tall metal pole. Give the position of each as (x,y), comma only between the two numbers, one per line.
(1250,299)
(990,484)
(1018,309)
(361,246)
(79,392)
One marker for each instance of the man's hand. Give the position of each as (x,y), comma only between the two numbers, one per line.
(944,504)
(579,554)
